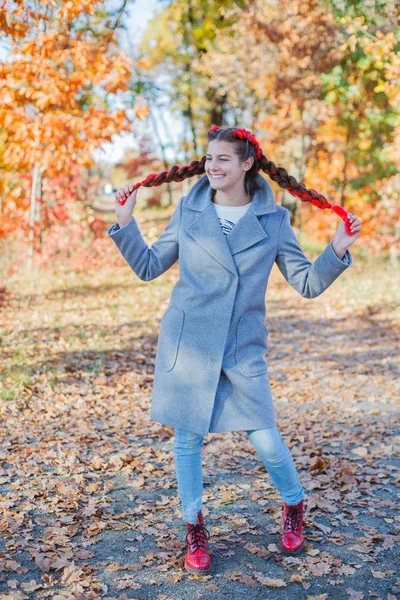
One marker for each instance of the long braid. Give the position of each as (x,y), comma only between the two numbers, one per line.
(288,182)
(278,174)
(175,173)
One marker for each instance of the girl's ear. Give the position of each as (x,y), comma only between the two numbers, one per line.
(248,163)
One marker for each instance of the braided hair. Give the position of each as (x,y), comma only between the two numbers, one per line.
(246,145)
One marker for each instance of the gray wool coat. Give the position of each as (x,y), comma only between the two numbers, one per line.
(211,370)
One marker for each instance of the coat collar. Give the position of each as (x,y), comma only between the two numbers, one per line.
(263,200)
(207,231)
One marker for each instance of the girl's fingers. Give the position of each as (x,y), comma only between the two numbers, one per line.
(355,223)
(355,228)
(353,217)
(123,194)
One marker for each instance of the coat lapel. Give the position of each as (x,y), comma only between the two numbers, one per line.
(247,232)
(207,231)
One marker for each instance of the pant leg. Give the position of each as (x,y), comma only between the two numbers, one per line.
(188,448)
(279,463)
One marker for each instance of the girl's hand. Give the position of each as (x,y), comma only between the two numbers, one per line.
(342,240)
(124,211)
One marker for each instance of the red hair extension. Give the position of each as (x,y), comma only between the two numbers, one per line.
(196,167)
(278,174)
(243,134)
(311,196)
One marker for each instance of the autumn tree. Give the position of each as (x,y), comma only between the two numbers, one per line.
(59,84)
(335,96)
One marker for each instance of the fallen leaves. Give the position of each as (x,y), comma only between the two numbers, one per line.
(255,579)
(317,567)
(257,550)
(361,451)
(241,577)
(320,465)
(377,574)
(88,489)
(269,581)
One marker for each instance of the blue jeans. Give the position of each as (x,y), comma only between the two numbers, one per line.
(269,445)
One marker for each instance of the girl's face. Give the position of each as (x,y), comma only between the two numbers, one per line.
(222,166)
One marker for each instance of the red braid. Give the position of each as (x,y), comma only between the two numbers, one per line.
(243,134)
(283,179)
(175,173)
(278,174)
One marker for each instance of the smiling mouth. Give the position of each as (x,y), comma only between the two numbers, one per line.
(217,176)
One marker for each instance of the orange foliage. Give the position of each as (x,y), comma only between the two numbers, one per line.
(63,67)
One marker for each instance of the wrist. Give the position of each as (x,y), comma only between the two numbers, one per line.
(123,222)
(339,249)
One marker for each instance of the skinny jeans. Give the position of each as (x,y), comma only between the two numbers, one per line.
(269,445)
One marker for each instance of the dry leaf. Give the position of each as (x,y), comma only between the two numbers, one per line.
(269,581)
(377,574)
(360,451)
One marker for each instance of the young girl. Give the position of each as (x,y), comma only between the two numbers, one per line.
(211,369)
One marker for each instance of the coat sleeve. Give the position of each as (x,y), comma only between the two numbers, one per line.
(307,278)
(148,263)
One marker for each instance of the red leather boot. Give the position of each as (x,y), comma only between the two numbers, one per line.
(292,539)
(197,559)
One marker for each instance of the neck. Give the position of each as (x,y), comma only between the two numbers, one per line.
(230,198)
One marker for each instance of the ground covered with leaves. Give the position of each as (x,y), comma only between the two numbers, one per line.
(88,494)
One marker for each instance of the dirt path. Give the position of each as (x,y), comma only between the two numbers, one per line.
(88,494)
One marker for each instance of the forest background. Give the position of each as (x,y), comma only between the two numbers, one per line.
(318,82)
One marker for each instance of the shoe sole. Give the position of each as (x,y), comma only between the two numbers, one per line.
(291,553)
(197,571)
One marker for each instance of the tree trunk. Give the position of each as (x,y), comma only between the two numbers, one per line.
(217,108)
(394,252)
(163,153)
(301,170)
(189,114)
(40,189)
(31,240)
(345,168)
(290,202)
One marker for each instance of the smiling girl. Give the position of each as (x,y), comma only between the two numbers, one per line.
(211,371)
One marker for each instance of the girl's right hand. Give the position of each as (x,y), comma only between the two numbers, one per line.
(124,212)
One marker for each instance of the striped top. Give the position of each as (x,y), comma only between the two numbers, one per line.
(229,215)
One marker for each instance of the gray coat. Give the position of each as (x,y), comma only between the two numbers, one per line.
(211,368)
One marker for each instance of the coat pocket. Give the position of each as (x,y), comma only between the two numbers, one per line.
(169,338)
(251,345)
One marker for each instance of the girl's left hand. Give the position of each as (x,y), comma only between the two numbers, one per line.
(342,239)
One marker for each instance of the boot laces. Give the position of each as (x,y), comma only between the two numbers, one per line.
(292,521)
(198,534)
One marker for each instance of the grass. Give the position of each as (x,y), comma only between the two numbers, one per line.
(16,378)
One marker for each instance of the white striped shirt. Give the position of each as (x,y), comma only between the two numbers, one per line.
(229,215)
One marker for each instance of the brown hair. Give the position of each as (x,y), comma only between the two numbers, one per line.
(245,146)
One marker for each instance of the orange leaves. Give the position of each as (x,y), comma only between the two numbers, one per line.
(318,466)
(143,63)
(141,112)
(70,10)
(56,84)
